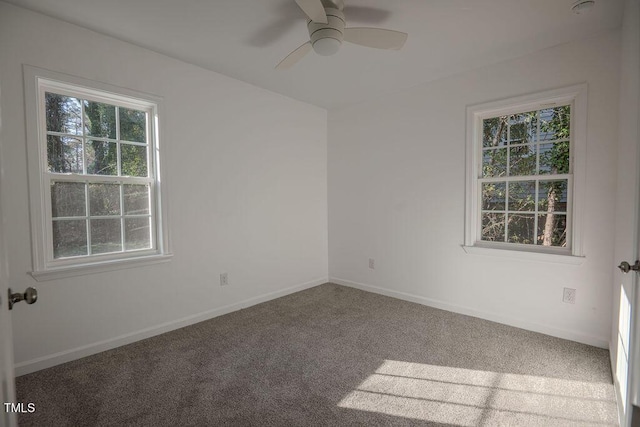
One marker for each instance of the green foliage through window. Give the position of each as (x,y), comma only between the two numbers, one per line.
(87,137)
(524,187)
(90,139)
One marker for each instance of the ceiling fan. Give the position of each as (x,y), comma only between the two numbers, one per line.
(326,25)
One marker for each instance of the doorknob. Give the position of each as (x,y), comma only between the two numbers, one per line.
(625,267)
(30,296)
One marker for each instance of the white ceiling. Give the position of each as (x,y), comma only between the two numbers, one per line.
(245,39)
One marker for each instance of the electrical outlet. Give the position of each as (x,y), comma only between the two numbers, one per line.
(372,263)
(569,296)
(224,279)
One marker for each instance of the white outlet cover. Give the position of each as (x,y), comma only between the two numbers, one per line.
(372,263)
(569,295)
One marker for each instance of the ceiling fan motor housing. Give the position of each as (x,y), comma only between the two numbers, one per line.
(327,38)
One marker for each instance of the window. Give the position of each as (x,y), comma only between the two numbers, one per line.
(526,161)
(96,199)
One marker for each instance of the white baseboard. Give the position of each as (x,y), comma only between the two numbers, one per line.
(494,317)
(50,360)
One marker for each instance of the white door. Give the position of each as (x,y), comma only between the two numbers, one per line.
(628,357)
(7,378)
(634,362)
(625,343)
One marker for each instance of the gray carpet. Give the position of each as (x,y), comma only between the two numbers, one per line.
(331,356)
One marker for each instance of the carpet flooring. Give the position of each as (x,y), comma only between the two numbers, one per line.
(331,355)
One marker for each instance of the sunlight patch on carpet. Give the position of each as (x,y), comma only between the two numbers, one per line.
(470,397)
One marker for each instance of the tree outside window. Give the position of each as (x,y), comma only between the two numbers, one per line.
(525,177)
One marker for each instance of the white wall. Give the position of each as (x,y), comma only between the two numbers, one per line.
(247,194)
(627,200)
(396,194)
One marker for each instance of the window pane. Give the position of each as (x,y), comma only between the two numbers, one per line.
(493,227)
(63,114)
(536,145)
(552,230)
(552,196)
(137,233)
(494,132)
(522,160)
(104,199)
(102,158)
(493,196)
(69,238)
(64,154)
(521,228)
(494,162)
(136,199)
(555,123)
(68,199)
(133,125)
(554,158)
(523,128)
(105,236)
(134,160)
(100,119)
(522,196)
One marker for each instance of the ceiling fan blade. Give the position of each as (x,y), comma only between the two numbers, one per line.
(313,9)
(294,57)
(375,37)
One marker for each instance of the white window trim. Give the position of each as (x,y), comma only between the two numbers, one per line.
(44,267)
(576,96)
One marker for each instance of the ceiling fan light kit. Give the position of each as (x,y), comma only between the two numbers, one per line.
(326,39)
(326,25)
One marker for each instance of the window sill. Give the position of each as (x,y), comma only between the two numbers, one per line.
(98,267)
(525,255)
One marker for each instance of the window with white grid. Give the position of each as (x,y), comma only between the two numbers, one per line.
(522,190)
(525,188)
(99,176)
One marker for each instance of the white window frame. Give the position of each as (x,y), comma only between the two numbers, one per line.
(45,266)
(576,96)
